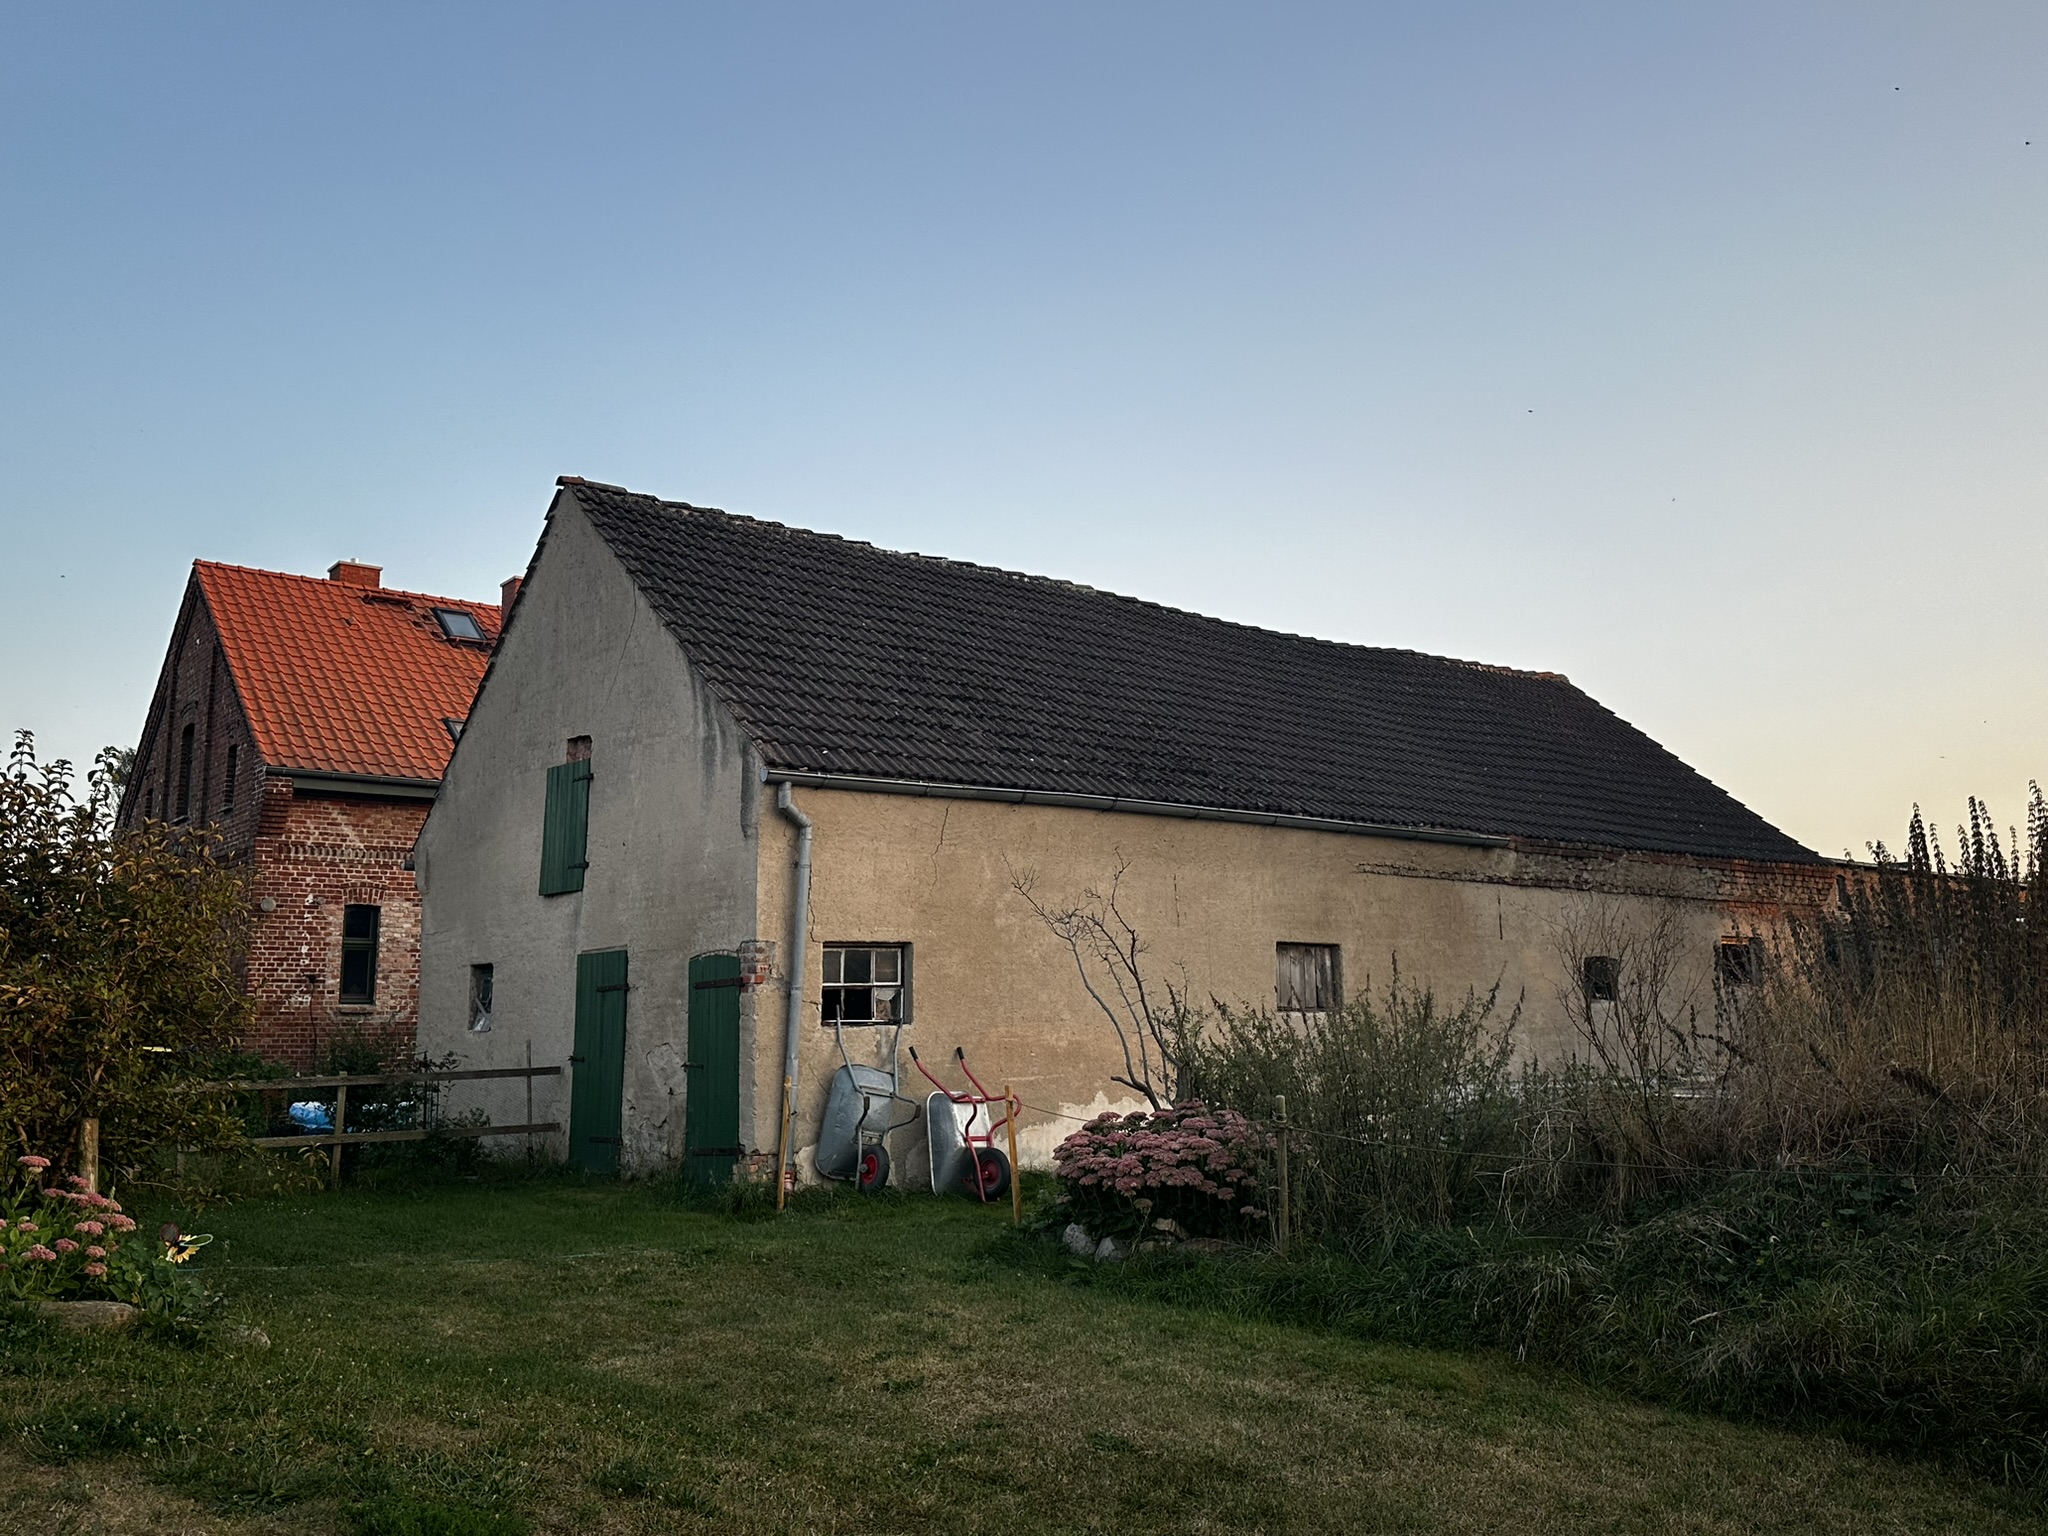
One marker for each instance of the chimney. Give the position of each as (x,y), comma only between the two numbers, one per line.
(508,589)
(351,573)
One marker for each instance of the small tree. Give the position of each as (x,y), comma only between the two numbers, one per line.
(119,953)
(1151,1021)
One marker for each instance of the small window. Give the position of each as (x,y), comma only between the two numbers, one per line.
(1307,978)
(453,727)
(866,984)
(227,788)
(458,625)
(359,953)
(1601,977)
(184,774)
(480,982)
(1739,962)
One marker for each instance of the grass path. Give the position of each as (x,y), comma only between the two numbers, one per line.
(562,1357)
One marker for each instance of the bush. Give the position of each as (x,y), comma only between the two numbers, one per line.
(1195,1167)
(1395,1104)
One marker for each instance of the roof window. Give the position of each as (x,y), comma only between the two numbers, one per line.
(458,625)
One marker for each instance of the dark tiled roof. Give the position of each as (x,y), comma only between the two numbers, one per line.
(838,657)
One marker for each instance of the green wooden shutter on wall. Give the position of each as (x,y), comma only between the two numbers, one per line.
(565,829)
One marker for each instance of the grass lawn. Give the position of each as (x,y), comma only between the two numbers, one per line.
(558,1356)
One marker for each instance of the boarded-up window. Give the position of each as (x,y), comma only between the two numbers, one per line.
(1601,976)
(1308,978)
(482,986)
(565,827)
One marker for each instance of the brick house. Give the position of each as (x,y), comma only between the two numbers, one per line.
(309,722)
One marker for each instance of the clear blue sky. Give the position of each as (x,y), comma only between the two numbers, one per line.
(1694,351)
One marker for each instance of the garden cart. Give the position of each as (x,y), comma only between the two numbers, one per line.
(961,1129)
(860,1115)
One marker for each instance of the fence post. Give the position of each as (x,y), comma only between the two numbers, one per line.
(89,1153)
(1016,1176)
(529,1097)
(340,1125)
(1286,1201)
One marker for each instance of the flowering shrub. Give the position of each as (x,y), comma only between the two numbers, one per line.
(60,1241)
(1196,1167)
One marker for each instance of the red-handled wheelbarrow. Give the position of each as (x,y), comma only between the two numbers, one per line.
(963,1145)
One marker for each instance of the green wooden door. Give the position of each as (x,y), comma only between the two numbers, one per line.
(597,1085)
(711,1114)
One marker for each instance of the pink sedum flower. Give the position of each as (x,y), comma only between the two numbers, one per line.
(121,1223)
(41,1253)
(33,1161)
(96,1270)
(92,1228)
(66,1245)
(95,1251)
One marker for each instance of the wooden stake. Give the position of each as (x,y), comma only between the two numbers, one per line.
(1280,1113)
(89,1154)
(782,1149)
(340,1125)
(1016,1183)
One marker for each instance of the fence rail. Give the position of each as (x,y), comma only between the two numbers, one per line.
(340,1136)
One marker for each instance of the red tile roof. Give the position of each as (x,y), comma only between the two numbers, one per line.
(338,678)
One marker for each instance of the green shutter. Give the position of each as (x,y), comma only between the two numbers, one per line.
(565,829)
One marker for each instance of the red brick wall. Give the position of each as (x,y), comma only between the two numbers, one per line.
(314,855)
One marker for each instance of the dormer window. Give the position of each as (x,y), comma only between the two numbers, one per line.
(457,625)
(454,727)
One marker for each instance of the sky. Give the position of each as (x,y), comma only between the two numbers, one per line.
(1694,351)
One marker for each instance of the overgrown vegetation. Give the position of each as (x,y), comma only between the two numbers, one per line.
(118,955)
(1813,1187)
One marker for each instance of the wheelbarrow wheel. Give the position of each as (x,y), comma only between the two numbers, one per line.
(872,1174)
(989,1177)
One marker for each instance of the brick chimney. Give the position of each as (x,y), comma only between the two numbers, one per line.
(508,590)
(351,573)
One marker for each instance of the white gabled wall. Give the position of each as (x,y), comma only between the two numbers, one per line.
(673,801)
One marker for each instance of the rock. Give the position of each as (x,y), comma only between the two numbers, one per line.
(242,1335)
(1166,1226)
(90,1316)
(1078,1242)
(1112,1250)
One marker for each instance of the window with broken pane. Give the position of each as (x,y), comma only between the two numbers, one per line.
(866,984)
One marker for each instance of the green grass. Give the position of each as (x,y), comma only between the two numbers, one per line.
(554,1356)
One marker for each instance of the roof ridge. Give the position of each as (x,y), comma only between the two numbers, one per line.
(325,583)
(1034,579)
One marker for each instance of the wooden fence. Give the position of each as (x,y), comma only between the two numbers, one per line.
(340,1136)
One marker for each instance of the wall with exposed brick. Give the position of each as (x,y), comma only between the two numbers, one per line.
(195,689)
(313,856)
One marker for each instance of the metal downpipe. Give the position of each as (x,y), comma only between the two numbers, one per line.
(792,1029)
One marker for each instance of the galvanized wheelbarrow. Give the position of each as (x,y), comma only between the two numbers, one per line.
(961,1129)
(860,1116)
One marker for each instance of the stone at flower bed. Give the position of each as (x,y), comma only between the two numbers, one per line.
(1112,1250)
(1078,1242)
(89,1316)
(247,1337)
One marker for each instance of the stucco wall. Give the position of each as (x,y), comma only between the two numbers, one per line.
(671,858)
(1210,899)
